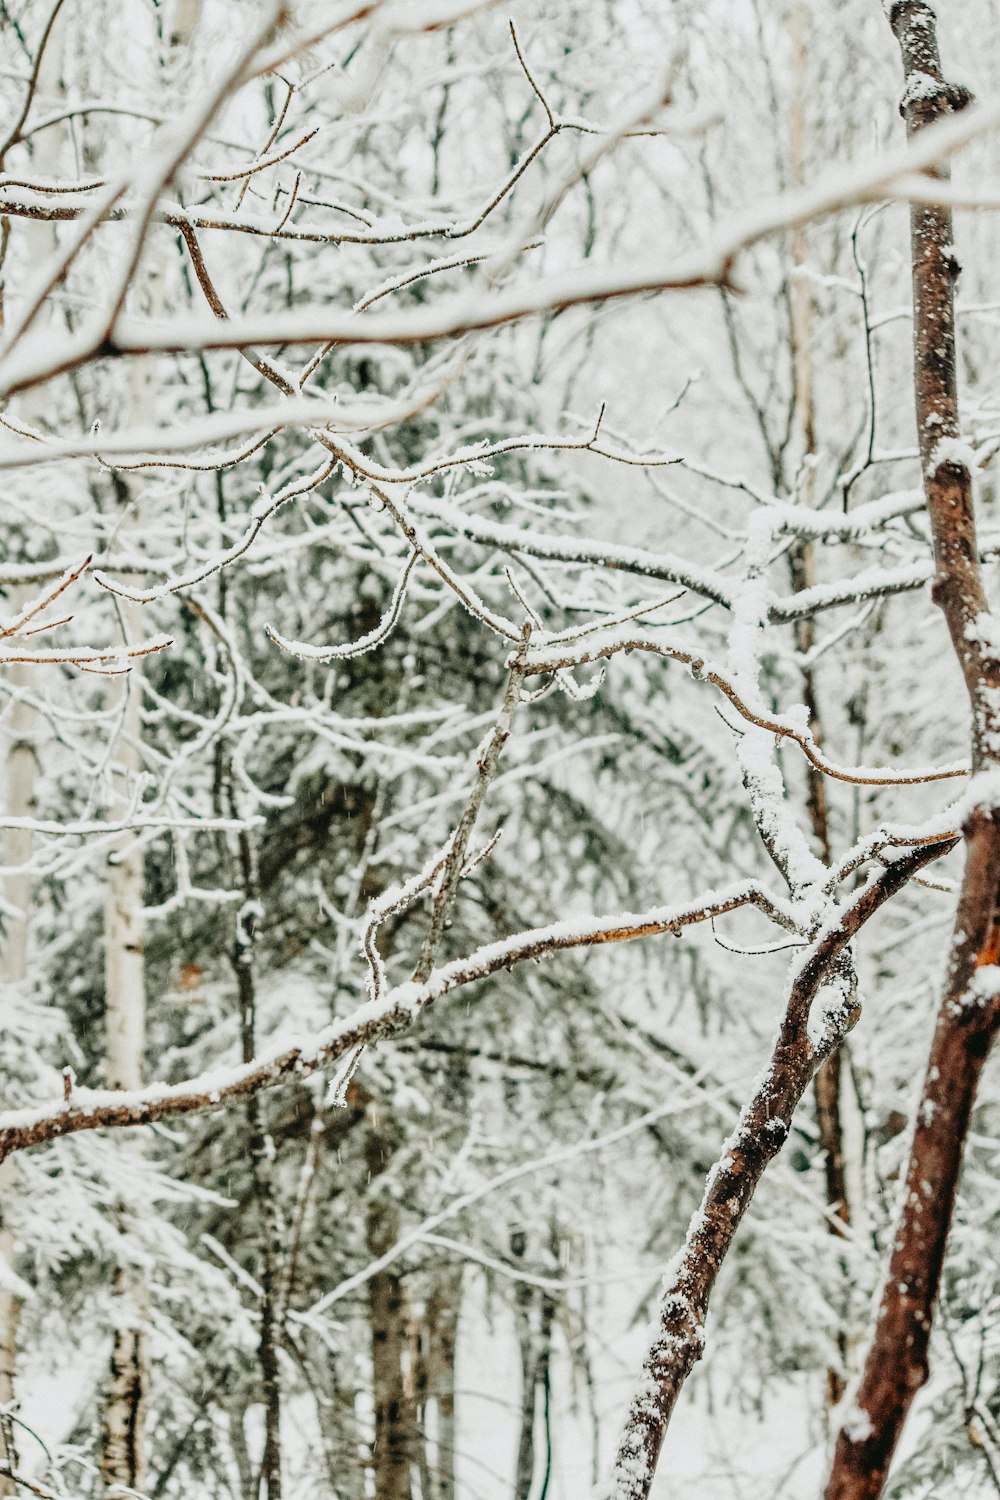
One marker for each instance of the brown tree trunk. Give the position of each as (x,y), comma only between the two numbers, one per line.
(524,1299)
(267,1345)
(896,1365)
(827,1094)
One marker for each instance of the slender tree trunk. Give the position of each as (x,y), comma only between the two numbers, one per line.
(125,1409)
(124,945)
(21,771)
(442,1335)
(267,1343)
(543,1377)
(124,925)
(125,997)
(535,1316)
(241,1454)
(391,1449)
(261,1155)
(969,1016)
(525,1468)
(827,1083)
(417,1385)
(386,1309)
(267,1346)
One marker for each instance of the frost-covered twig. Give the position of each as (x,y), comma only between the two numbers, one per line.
(108,659)
(486,765)
(548,656)
(362,644)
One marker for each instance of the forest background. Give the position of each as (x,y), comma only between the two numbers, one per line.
(484,764)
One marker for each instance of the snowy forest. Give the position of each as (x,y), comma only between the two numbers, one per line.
(499,750)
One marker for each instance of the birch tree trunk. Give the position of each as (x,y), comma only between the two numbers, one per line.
(124,927)
(122,1460)
(20,768)
(261,1154)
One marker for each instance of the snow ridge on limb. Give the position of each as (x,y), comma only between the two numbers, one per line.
(395,1012)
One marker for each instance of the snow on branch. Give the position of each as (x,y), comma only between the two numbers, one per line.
(154,442)
(108,660)
(712,265)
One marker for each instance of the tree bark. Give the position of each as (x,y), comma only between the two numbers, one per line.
(969,1016)
(122,1458)
(124,953)
(267,1344)
(535,1315)
(124,1413)
(21,767)
(261,1152)
(124,926)
(523,1302)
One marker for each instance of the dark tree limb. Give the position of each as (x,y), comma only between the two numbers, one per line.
(677,1337)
